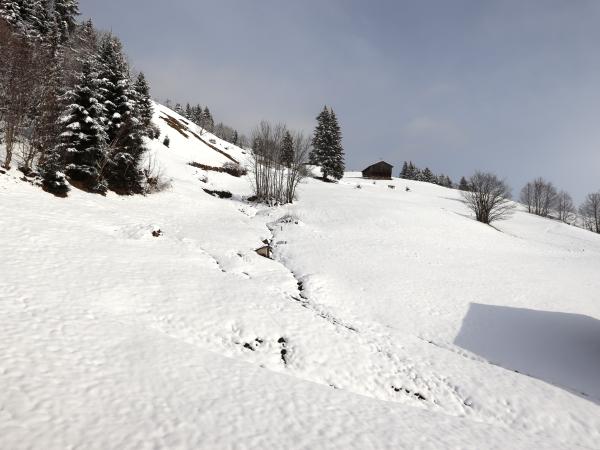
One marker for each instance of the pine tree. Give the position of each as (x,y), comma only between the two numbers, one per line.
(320,141)
(404,171)
(124,128)
(51,159)
(82,144)
(33,17)
(334,163)
(87,38)
(287,149)
(197,115)
(114,74)
(178,109)
(65,15)
(327,145)
(11,11)
(144,105)
(428,176)
(188,112)
(463,185)
(412,171)
(208,122)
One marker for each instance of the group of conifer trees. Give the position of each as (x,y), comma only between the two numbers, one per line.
(68,100)
(196,114)
(202,117)
(411,172)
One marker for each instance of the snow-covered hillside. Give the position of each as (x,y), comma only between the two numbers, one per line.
(387,318)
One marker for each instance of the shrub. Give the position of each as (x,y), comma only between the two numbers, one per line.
(220,194)
(153,177)
(234,169)
(230,168)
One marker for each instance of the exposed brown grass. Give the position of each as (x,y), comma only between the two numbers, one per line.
(232,169)
(177,125)
(226,155)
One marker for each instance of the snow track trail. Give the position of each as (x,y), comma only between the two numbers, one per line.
(365,330)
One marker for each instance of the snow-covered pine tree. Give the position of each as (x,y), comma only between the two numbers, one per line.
(27,17)
(178,109)
(463,184)
(428,176)
(197,115)
(115,78)
(65,15)
(443,180)
(144,106)
(11,11)
(320,141)
(188,112)
(82,145)
(334,162)
(208,122)
(124,129)
(287,149)
(43,21)
(412,171)
(86,38)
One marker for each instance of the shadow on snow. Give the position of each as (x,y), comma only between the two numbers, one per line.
(558,348)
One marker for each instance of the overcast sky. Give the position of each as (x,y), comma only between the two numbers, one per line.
(507,86)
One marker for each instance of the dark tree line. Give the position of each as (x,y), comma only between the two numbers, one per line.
(68,102)
(411,172)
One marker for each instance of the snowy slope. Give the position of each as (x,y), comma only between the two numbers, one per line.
(387,318)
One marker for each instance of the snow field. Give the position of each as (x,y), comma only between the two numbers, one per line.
(383,321)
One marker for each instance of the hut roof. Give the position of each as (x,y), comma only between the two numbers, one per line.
(377,164)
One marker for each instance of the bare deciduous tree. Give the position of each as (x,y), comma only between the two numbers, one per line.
(272,180)
(539,196)
(297,169)
(565,208)
(489,197)
(17,82)
(30,76)
(590,212)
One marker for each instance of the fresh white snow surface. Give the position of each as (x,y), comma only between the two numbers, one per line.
(387,318)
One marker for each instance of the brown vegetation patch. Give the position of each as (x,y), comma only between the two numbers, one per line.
(232,169)
(177,125)
(220,194)
(226,155)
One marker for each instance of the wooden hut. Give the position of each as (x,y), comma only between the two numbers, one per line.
(378,171)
